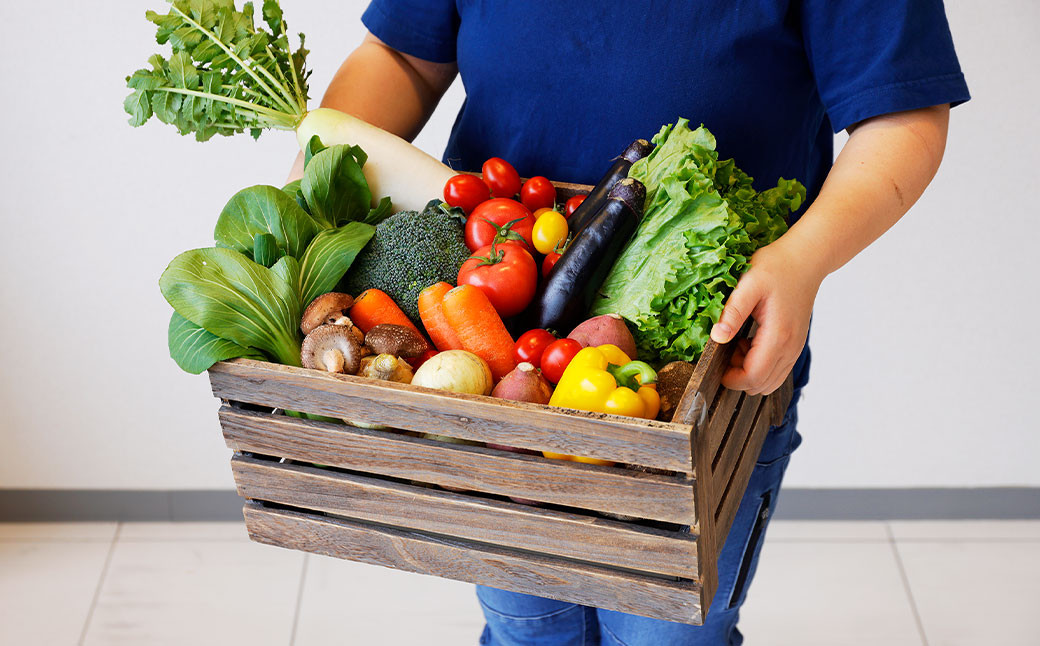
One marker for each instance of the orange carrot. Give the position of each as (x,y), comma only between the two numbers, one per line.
(432,313)
(374,307)
(479,328)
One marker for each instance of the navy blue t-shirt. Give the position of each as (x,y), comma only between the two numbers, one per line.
(560,88)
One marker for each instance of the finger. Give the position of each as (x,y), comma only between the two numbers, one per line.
(739,352)
(739,306)
(760,362)
(777,377)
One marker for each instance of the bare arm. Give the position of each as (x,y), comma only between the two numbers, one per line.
(386,88)
(883,169)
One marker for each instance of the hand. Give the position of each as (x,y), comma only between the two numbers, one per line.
(778,292)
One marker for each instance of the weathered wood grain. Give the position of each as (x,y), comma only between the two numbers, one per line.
(738,482)
(722,411)
(740,427)
(780,400)
(708,542)
(587,538)
(661,445)
(476,563)
(585,486)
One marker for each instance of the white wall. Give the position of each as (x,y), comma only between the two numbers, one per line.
(924,356)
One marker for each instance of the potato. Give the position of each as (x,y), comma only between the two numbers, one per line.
(608,328)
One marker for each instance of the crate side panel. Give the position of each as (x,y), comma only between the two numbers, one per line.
(586,538)
(585,486)
(655,444)
(729,502)
(485,565)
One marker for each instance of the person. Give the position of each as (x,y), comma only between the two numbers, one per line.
(559,88)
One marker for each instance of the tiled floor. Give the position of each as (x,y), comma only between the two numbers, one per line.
(839,584)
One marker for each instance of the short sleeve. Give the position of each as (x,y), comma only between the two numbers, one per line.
(426,30)
(871,58)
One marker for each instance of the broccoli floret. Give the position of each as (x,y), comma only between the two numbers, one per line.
(409,252)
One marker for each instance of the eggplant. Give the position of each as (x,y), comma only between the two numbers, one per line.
(597,196)
(573,282)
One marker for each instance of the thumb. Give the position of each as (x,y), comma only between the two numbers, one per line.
(739,306)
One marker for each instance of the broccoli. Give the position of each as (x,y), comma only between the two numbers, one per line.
(409,252)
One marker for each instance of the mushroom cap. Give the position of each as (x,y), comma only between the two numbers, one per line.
(398,340)
(326,338)
(324,307)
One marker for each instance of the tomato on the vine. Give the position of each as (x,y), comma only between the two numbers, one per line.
(549,231)
(502,219)
(466,192)
(572,204)
(557,356)
(549,262)
(501,177)
(538,192)
(530,346)
(505,272)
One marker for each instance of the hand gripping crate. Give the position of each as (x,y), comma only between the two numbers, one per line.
(642,538)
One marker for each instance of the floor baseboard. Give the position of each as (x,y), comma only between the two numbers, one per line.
(37,505)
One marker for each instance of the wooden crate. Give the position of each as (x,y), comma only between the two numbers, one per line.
(378,496)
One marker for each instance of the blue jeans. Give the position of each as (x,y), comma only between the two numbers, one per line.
(515,619)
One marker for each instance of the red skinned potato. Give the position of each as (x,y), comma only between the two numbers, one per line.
(608,328)
(524,384)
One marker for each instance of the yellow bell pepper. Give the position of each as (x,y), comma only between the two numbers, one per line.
(604,380)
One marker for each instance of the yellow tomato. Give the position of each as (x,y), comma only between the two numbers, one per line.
(549,231)
(542,211)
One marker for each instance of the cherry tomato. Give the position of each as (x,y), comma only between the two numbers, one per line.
(549,262)
(530,346)
(568,208)
(549,231)
(538,192)
(557,356)
(501,177)
(542,211)
(489,221)
(505,272)
(466,191)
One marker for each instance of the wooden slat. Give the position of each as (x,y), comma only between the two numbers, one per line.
(734,491)
(475,563)
(586,538)
(708,543)
(648,443)
(719,420)
(573,484)
(739,429)
(780,400)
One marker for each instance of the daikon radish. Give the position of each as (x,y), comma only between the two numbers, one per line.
(228,75)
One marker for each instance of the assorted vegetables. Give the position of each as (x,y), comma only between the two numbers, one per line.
(354,270)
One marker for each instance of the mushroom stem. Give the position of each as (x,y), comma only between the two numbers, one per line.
(333,360)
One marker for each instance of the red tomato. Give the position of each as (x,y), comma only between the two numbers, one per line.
(501,177)
(530,346)
(549,262)
(466,191)
(538,192)
(489,220)
(557,356)
(506,273)
(568,208)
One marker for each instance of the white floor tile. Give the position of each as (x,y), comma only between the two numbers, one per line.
(46,589)
(811,530)
(975,593)
(960,530)
(366,605)
(827,594)
(228,531)
(57,531)
(196,593)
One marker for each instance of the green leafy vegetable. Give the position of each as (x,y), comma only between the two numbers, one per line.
(701,223)
(265,209)
(232,297)
(334,186)
(195,350)
(265,249)
(225,74)
(329,256)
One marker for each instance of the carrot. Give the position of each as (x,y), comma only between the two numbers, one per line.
(479,328)
(432,314)
(374,307)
